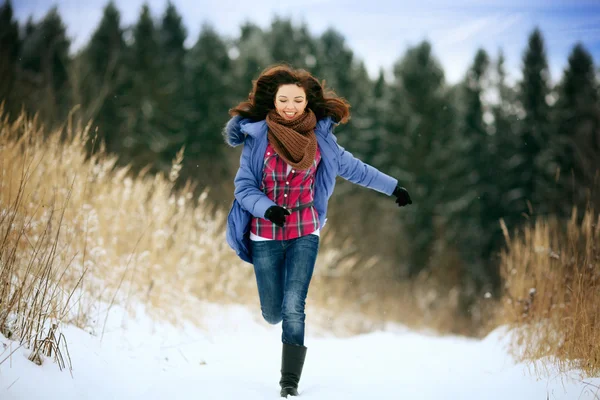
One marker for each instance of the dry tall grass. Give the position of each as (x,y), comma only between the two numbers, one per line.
(358,297)
(76,232)
(552,282)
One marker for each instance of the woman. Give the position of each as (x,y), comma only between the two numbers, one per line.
(287,173)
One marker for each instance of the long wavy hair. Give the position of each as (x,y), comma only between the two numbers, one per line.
(323,102)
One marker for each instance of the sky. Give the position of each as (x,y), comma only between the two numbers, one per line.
(233,355)
(378,31)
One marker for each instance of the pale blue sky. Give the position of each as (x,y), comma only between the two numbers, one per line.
(378,31)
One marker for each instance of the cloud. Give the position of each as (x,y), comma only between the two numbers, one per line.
(464,32)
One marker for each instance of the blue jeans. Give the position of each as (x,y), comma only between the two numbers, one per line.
(283,270)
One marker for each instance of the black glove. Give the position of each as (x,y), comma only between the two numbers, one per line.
(277,215)
(402,196)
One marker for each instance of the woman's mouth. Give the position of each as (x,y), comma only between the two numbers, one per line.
(289,114)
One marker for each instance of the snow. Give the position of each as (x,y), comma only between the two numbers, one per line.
(232,354)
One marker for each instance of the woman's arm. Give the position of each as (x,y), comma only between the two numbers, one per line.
(356,171)
(247,187)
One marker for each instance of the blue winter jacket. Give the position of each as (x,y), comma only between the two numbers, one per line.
(251,201)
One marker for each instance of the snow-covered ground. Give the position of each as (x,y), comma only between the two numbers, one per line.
(233,355)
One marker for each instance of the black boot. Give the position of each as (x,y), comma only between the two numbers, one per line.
(292,361)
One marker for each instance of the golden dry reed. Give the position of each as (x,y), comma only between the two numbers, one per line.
(76,232)
(551,273)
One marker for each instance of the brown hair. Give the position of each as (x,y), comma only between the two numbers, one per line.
(262,98)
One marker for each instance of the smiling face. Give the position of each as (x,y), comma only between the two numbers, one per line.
(290,101)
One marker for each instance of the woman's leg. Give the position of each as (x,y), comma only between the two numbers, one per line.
(300,258)
(268,259)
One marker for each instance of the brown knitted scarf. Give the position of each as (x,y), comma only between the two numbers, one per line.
(294,141)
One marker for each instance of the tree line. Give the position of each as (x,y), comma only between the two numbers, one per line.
(470,153)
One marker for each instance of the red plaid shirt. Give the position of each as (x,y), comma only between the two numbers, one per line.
(288,190)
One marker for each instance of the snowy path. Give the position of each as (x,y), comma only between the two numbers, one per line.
(234,357)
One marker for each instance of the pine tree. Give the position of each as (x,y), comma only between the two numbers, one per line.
(348,77)
(9,52)
(209,96)
(45,61)
(253,57)
(30,26)
(479,152)
(143,141)
(290,44)
(501,203)
(376,103)
(507,145)
(172,109)
(577,147)
(335,63)
(534,131)
(172,36)
(359,134)
(101,77)
(476,223)
(421,130)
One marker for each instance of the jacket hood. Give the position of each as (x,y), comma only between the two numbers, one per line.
(237,128)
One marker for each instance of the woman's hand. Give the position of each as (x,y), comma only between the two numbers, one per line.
(277,215)
(402,196)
